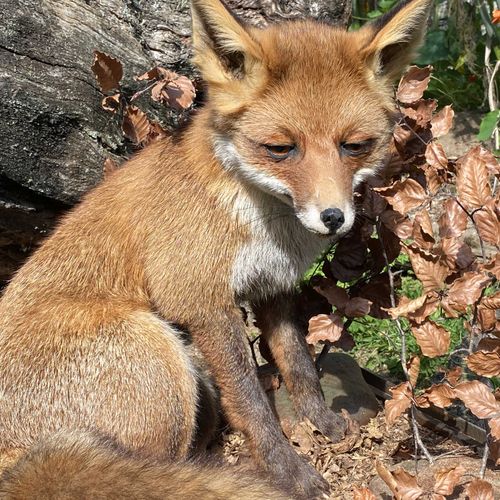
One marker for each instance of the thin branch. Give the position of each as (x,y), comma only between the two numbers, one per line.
(416,433)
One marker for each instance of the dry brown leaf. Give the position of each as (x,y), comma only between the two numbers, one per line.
(473,180)
(400,225)
(413,368)
(433,339)
(135,125)
(180,93)
(337,296)
(406,306)
(484,363)
(400,402)
(456,253)
(479,490)
(157,72)
(107,70)
(487,223)
(466,290)
(494,424)
(478,398)
(404,195)
(492,267)
(453,221)
(435,155)
(325,327)
(402,484)
(413,84)
(487,318)
(422,233)
(359,493)
(421,111)
(442,122)
(491,301)
(357,307)
(447,479)
(440,395)
(111,103)
(428,268)
(350,259)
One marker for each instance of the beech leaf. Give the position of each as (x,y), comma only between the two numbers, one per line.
(433,339)
(484,363)
(428,268)
(413,84)
(107,70)
(453,221)
(478,398)
(488,224)
(400,402)
(325,327)
(479,490)
(440,395)
(404,195)
(135,125)
(447,479)
(435,156)
(413,367)
(441,122)
(466,290)
(357,307)
(402,484)
(473,180)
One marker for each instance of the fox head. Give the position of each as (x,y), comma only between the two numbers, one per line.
(302,110)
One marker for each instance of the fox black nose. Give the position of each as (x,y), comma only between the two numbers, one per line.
(332,218)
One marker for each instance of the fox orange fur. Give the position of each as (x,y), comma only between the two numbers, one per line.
(126,314)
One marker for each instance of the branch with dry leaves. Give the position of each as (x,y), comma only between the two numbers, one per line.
(443,214)
(164,86)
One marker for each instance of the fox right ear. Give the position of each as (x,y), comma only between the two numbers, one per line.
(224,50)
(392,41)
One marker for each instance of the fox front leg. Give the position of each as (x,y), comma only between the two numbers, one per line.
(224,345)
(284,333)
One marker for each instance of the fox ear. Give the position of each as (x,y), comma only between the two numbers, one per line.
(224,50)
(392,40)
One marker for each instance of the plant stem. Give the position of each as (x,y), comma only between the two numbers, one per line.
(403,355)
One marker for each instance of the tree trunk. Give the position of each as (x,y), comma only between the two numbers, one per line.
(55,135)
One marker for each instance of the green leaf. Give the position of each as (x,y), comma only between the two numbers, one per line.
(374,14)
(488,125)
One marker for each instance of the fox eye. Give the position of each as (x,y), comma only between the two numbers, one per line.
(279,151)
(356,148)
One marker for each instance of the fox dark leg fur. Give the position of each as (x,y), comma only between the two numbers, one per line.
(284,333)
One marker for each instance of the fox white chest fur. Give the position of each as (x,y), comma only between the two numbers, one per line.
(279,249)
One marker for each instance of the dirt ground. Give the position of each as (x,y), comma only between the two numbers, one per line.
(352,462)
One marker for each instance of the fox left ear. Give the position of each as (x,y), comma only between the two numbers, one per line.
(224,50)
(392,41)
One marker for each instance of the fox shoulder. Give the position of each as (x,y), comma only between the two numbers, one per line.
(83,466)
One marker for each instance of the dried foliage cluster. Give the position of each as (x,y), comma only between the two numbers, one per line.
(432,209)
(426,206)
(166,87)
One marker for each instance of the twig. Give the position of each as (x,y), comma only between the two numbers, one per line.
(416,433)
(417,438)
(484,460)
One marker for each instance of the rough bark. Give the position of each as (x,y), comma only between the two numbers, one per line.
(55,136)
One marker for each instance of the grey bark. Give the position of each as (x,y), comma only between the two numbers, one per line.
(54,134)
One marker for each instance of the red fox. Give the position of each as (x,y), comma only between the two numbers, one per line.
(98,329)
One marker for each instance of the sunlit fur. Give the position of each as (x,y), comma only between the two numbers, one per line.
(188,229)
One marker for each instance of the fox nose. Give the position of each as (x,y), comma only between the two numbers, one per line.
(332,218)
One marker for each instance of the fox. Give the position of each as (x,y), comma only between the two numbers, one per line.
(129,316)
